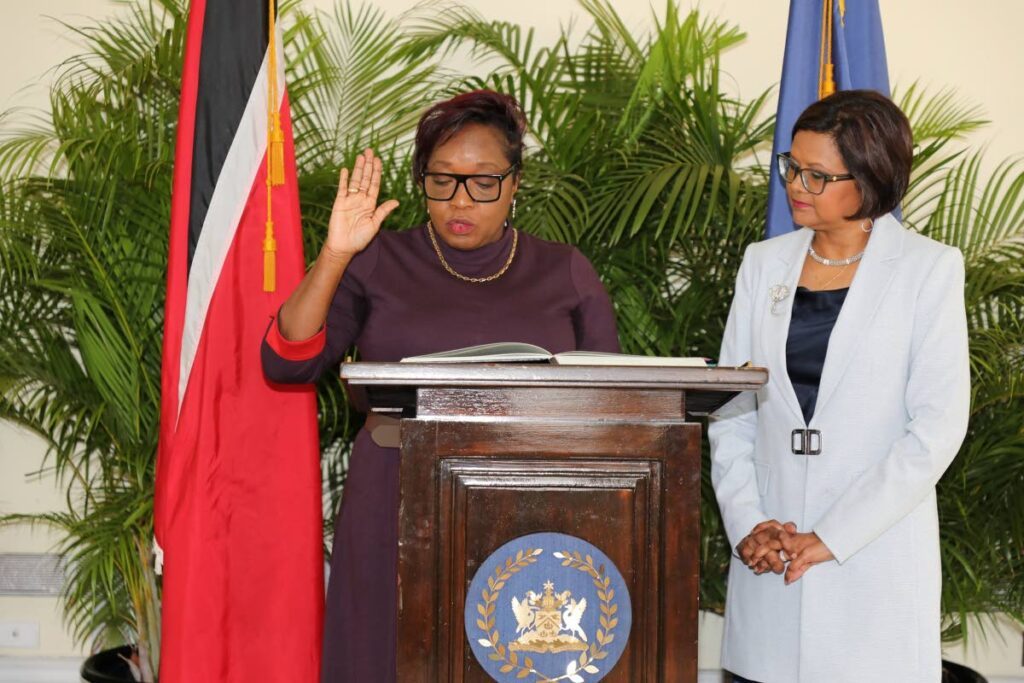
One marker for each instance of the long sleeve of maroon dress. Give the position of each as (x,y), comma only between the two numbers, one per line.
(396,300)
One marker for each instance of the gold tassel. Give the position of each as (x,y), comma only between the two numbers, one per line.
(269,259)
(828,85)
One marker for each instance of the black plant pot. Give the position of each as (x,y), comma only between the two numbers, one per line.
(958,673)
(108,666)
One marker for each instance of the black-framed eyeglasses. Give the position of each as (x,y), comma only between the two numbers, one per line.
(813,181)
(481,187)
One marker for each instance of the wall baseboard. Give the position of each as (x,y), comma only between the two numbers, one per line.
(65,670)
(40,669)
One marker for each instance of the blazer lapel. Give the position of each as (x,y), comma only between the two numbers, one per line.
(783,276)
(872,281)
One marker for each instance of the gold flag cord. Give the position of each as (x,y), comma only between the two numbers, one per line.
(275,150)
(826,69)
(275,154)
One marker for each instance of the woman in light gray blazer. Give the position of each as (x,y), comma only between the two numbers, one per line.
(826,476)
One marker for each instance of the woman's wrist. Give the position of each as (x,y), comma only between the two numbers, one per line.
(334,259)
(304,313)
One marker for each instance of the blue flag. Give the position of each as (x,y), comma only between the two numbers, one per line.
(856,60)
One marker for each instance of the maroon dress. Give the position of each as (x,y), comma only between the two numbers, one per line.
(396,300)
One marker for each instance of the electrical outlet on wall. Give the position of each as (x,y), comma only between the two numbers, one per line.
(20,634)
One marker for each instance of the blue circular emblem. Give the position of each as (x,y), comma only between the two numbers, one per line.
(548,607)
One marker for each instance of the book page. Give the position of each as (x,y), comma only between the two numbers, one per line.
(595,358)
(499,352)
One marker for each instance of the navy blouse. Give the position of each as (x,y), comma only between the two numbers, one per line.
(814,316)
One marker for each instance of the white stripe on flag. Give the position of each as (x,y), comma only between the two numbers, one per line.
(230,195)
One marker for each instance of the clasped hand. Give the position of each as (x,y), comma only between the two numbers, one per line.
(773,546)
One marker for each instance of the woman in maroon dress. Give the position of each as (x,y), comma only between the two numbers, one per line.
(466,277)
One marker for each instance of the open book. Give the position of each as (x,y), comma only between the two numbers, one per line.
(516,352)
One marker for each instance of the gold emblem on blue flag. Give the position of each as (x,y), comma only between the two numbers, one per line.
(548,607)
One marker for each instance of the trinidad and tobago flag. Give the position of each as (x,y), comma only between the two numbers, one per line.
(238,514)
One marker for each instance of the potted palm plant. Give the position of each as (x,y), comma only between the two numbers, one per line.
(85,193)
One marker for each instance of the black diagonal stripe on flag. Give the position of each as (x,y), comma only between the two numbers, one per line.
(234,45)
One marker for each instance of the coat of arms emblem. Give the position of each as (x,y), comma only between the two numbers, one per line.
(548,607)
(549,622)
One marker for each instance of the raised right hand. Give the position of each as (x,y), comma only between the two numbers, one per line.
(355,217)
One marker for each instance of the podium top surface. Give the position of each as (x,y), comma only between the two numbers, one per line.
(393,385)
(551,375)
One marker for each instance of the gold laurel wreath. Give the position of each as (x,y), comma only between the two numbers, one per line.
(508,658)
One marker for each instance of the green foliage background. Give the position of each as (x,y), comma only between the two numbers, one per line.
(636,155)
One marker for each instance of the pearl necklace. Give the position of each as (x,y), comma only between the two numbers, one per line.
(833,261)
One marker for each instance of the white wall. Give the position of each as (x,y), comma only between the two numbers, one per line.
(973,47)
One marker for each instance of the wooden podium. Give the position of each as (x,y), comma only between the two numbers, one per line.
(494,452)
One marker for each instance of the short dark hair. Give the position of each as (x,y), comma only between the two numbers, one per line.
(875,141)
(443,120)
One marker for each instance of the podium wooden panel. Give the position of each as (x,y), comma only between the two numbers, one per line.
(494,452)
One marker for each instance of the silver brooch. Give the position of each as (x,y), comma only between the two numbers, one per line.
(777,294)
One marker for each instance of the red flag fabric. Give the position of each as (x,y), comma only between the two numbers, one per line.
(238,505)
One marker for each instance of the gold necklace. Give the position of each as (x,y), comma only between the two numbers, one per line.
(821,288)
(451,271)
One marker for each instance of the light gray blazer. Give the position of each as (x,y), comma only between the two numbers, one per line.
(892,409)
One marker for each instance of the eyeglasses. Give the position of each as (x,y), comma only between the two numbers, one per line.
(813,181)
(481,187)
